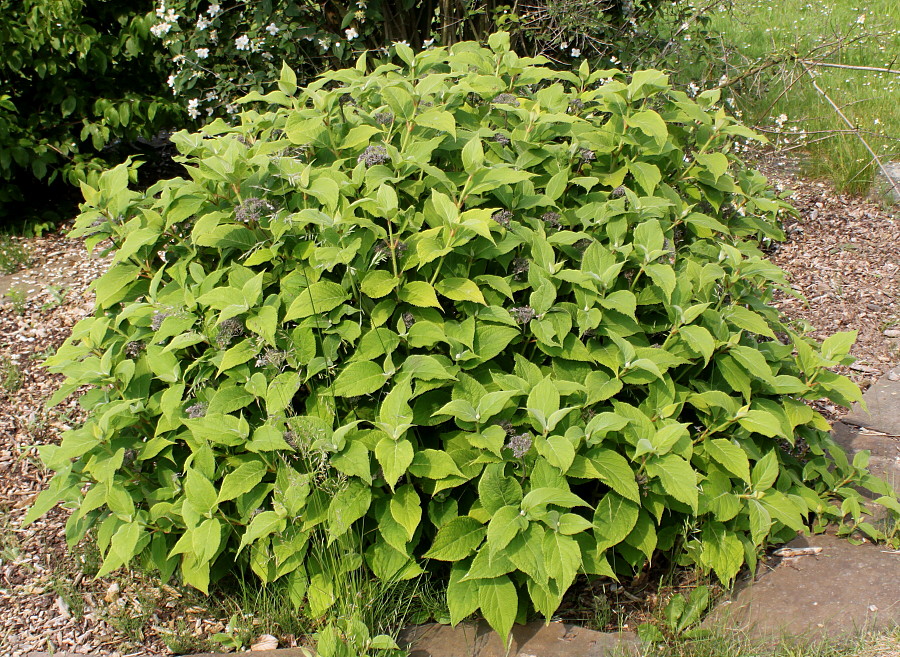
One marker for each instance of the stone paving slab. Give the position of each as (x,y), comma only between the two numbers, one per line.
(533,640)
(842,590)
(883,402)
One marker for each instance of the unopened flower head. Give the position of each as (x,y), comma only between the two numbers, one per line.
(408,320)
(228,330)
(384,118)
(501,139)
(505,99)
(552,219)
(519,444)
(523,314)
(196,411)
(373,155)
(158,319)
(519,267)
(252,209)
(502,217)
(587,155)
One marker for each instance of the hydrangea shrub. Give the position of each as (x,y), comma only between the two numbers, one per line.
(495,319)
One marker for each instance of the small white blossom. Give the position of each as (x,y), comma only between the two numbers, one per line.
(404,42)
(693,89)
(171,16)
(202,23)
(351,33)
(160,28)
(428,43)
(211,96)
(272,29)
(231,108)
(202,53)
(242,42)
(877,121)
(193,104)
(862,19)
(324,44)
(171,81)
(576,52)
(214,10)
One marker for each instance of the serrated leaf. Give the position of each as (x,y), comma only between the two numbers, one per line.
(320,297)
(460,289)
(359,378)
(241,480)
(378,283)
(457,539)
(677,477)
(730,456)
(615,472)
(419,293)
(499,604)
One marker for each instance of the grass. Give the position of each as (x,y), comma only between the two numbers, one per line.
(782,99)
(13,255)
(10,375)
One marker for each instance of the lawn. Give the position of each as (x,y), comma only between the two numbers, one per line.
(783,99)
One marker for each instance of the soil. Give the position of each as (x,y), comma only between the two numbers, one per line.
(842,254)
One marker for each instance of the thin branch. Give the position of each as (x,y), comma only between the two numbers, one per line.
(853,127)
(848,66)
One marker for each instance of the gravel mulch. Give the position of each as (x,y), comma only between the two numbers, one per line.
(843,254)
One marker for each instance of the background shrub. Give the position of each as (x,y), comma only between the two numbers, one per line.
(75,77)
(505,323)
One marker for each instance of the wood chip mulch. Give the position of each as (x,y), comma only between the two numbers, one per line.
(843,254)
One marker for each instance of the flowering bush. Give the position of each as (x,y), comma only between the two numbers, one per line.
(501,322)
(220,52)
(67,93)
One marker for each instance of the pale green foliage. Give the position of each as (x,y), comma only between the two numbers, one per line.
(474,311)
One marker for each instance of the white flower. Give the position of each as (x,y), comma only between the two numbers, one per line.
(171,81)
(202,24)
(351,33)
(214,10)
(324,44)
(193,104)
(404,42)
(272,29)
(171,16)
(693,89)
(231,108)
(428,43)
(160,28)
(161,10)
(211,96)
(242,42)
(877,121)
(862,19)
(576,52)
(202,53)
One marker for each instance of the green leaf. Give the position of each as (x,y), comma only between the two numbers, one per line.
(378,283)
(460,289)
(652,125)
(462,594)
(395,457)
(262,525)
(406,509)
(677,477)
(730,456)
(241,480)
(615,472)
(419,293)
(437,119)
(320,297)
(457,539)
(646,175)
(199,491)
(506,522)
(764,472)
(349,505)
(499,604)
(359,378)
(238,355)
(722,551)
(614,519)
